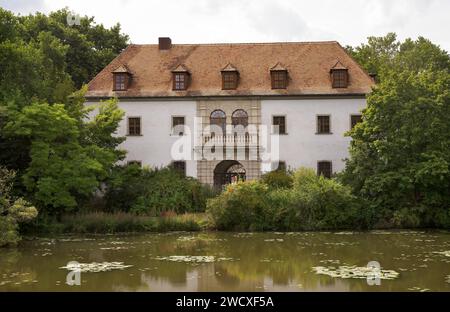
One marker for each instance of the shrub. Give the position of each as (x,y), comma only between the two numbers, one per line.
(12,210)
(312,203)
(152,192)
(100,222)
(321,203)
(242,206)
(277,179)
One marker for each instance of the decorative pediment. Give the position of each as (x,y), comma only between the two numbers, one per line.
(229,68)
(278,67)
(122,69)
(180,69)
(338,65)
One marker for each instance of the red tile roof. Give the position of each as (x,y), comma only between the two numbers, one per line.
(308,64)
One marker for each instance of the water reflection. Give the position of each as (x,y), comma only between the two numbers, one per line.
(230,261)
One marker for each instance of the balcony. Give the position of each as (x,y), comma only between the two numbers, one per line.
(230,139)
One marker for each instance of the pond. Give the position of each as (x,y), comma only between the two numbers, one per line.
(219,261)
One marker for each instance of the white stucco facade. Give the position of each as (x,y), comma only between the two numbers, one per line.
(153,146)
(302,146)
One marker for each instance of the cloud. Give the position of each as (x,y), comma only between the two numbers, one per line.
(23,6)
(200,21)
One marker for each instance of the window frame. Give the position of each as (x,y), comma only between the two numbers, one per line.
(128,126)
(319,173)
(185,82)
(281,166)
(125,82)
(223,125)
(173,126)
(138,162)
(174,166)
(239,118)
(277,83)
(317,124)
(285,124)
(339,81)
(351,120)
(233,83)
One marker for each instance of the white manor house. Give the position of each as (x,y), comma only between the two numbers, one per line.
(221,112)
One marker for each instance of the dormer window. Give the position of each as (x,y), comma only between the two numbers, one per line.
(121,78)
(181,78)
(339,76)
(120,82)
(279,77)
(230,77)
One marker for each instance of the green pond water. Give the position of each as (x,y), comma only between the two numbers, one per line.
(217,261)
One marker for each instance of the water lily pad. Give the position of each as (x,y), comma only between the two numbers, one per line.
(444,253)
(194,259)
(95,267)
(356,272)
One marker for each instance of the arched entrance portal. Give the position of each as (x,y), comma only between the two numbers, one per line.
(228,171)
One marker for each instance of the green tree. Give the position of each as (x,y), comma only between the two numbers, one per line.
(12,210)
(67,165)
(91,46)
(400,153)
(382,55)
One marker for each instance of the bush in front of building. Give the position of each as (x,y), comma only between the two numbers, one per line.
(311,203)
(318,203)
(242,206)
(277,179)
(153,192)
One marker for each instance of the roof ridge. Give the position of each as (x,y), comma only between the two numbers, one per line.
(242,43)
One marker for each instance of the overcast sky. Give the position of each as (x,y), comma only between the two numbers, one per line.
(206,21)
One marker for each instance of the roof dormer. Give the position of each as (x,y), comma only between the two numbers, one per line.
(181,78)
(339,75)
(279,76)
(230,77)
(121,78)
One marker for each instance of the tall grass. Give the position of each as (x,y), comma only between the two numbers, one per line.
(101,222)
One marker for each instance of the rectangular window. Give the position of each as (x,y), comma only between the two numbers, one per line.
(180,81)
(340,78)
(134,162)
(134,125)
(323,124)
(281,166)
(279,121)
(179,166)
(177,125)
(120,82)
(229,80)
(279,79)
(354,119)
(324,168)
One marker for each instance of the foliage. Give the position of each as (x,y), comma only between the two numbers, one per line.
(241,206)
(400,153)
(43,60)
(312,203)
(277,179)
(90,46)
(153,191)
(384,55)
(101,222)
(12,210)
(321,203)
(67,160)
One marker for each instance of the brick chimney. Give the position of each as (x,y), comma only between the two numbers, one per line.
(164,43)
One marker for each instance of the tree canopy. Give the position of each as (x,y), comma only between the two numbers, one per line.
(400,153)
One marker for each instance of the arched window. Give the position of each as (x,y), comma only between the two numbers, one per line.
(218,118)
(239,117)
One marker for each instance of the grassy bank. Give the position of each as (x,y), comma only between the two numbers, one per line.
(107,223)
